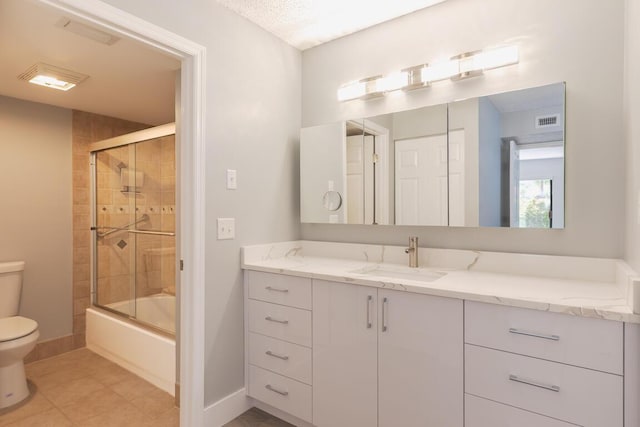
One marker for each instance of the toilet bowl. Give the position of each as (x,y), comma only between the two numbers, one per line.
(18,336)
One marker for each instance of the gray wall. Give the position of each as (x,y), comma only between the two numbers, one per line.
(555,46)
(252,125)
(35,218)
(632,131)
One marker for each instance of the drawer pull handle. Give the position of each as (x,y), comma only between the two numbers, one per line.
(533,334)
(385,306)
(369,299)
(534,383)
(269,288)
(272,354)
(275,390)
(271,319)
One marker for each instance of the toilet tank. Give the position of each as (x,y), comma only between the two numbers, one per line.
(10,287)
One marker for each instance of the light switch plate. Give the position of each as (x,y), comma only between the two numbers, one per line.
(232,180)
(226,228)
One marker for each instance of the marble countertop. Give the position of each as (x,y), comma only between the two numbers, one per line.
(588,287)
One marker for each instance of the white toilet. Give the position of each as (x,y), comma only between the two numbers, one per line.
(18,336)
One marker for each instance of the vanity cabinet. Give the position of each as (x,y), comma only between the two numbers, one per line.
(556,366)
(333,354)
(385,358)
(279,342)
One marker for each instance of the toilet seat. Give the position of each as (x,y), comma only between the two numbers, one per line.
(12,328)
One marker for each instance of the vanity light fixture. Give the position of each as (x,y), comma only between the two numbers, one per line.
(392,82)
(52,77)
(456,68)
(362,89)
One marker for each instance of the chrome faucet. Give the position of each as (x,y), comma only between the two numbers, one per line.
(412,250)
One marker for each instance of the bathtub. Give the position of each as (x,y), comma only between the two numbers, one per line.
(148,354)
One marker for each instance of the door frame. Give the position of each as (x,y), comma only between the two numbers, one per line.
(190,132)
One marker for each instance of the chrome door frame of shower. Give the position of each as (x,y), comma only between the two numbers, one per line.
(94,148)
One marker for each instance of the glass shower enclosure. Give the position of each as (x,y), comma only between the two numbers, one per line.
(133,229)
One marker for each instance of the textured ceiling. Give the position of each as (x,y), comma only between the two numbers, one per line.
(308,23)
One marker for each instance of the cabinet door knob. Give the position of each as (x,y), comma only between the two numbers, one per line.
(369,300)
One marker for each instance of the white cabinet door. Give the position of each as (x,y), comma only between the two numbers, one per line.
(420,359)
(344,355)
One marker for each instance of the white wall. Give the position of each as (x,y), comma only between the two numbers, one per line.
(253,122)
(35,218)
(632,131)
(323,159)
(559,41)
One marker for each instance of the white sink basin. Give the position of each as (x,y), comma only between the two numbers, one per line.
(406,273)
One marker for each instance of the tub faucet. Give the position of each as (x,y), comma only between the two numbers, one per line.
(412,250)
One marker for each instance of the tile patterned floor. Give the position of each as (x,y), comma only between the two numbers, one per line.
(83,389)
(80,388)
(254,417)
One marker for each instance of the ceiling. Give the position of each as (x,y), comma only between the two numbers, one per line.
(308,23)
(131,81)
(127,80)
(529,99)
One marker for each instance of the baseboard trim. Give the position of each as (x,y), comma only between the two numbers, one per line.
(280,414)
(227,408)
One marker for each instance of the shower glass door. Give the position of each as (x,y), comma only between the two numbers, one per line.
(134,252)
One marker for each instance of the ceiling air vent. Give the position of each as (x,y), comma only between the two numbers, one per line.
(87,31)
(53,77)
(547,121)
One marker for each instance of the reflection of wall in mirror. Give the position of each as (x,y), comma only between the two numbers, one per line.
(464,134)
(489,155)
(322,165)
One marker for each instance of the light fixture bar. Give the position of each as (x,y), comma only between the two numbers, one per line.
(459,67)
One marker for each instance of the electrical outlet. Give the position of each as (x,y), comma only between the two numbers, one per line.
(232,181)
(226,228)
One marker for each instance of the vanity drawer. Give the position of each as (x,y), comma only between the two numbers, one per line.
(576,395)
(280,392)
(277,321)
(580,341)
(280,289)
(480,412)
(290,360)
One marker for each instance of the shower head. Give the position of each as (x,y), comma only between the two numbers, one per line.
(121,165)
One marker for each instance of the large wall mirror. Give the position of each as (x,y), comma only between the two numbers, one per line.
(493,161)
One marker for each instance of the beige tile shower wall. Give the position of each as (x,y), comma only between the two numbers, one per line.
(88,128)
